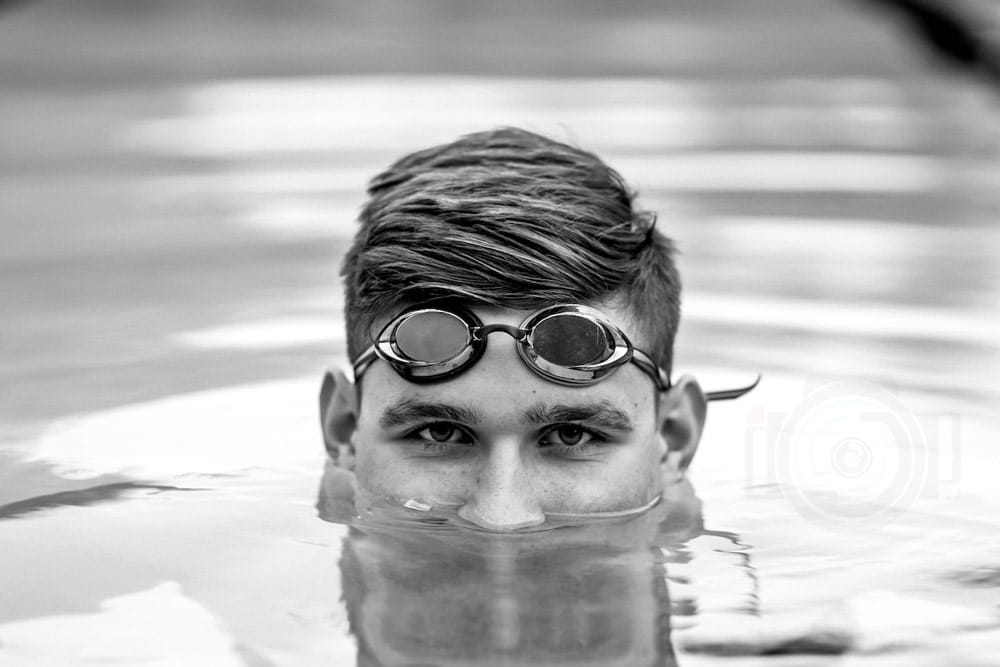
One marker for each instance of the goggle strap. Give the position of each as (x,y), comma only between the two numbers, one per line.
(728,394)
(649,367)
(364,360)
(642,360)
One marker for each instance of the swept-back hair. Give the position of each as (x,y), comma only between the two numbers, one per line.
(511,219)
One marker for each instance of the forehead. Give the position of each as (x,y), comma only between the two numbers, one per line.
(502,393)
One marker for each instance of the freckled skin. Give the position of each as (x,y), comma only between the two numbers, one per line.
(502,475)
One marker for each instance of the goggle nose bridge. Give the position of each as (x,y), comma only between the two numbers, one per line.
(481,332)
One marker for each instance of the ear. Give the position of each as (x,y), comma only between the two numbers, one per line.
(682,412)
(338,413)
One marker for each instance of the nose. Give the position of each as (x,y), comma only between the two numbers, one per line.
(504,499)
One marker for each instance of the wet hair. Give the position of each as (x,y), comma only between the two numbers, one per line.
(512,219)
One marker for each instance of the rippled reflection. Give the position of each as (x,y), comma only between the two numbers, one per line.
(422,590)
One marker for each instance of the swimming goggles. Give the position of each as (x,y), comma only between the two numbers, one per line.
(568,344)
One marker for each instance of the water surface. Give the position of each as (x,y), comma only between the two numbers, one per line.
(177,300)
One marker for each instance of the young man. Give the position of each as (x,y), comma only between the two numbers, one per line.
(511,319)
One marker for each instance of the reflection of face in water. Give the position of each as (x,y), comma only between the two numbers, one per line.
(592,594)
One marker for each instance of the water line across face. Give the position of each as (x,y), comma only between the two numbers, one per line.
(551,520)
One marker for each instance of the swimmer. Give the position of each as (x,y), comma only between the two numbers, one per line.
(511,316)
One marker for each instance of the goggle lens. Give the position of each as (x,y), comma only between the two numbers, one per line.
(570,340)
(432,336)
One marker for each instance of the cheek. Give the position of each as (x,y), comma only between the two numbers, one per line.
(383,470)
(378,468)
(637,474)
(367,471)
(628,481)
(642,479)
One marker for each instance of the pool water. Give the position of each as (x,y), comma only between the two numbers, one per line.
(164,497)
(234,564)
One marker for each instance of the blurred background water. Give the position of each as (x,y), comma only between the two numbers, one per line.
(179,179)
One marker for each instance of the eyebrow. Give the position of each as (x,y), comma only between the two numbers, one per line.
(409,411)
(601,414)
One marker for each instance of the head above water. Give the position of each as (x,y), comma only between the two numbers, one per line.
(514,220)
(496,227)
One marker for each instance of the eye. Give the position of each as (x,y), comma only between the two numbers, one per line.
(569,436)
(442,433)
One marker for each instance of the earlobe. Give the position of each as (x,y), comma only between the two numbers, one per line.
(682,413)
(338,410)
